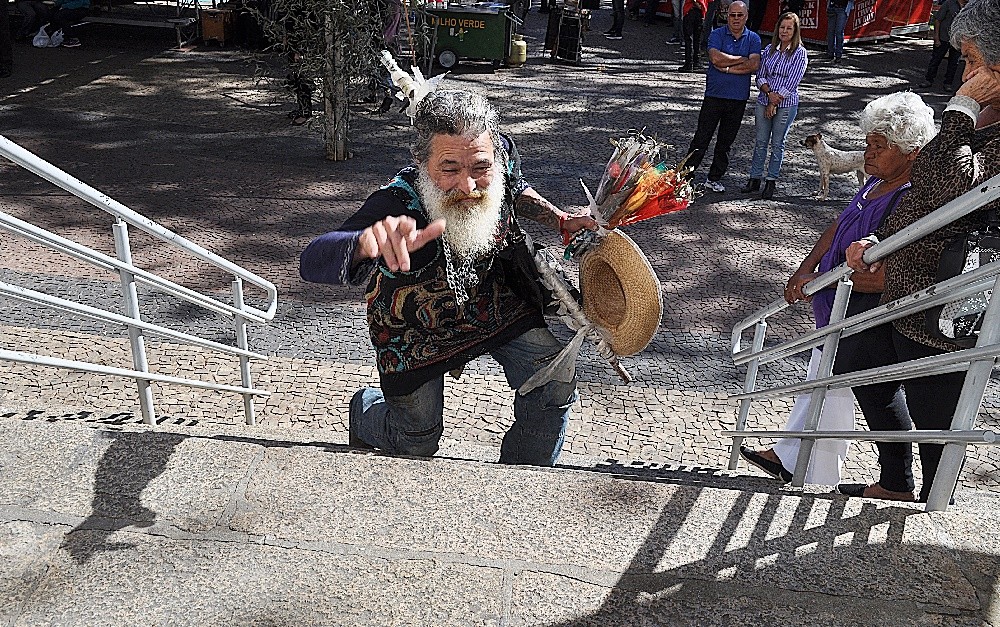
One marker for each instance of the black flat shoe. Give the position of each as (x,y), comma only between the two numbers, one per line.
(852,489)
(774,469)
(753,185)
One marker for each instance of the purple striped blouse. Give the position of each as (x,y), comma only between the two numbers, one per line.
(782,73)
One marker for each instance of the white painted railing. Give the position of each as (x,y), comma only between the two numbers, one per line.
(978,361)
(239,312)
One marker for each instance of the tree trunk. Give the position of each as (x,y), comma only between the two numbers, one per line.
(335,125)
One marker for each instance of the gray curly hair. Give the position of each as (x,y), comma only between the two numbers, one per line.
(453,112)
(902,118)
(976,24)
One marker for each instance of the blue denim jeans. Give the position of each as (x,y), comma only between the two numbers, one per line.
(774,132)
(412,424)
(836,22)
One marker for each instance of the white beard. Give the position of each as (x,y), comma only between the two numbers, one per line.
(470,231)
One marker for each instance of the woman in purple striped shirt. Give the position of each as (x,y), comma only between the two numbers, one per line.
(782,65)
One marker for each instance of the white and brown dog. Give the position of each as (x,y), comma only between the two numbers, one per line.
(833,161)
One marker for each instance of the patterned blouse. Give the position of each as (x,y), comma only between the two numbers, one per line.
(955,161)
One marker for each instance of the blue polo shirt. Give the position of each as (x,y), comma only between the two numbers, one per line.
(732,86)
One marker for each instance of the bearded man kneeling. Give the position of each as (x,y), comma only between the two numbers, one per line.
(436,242)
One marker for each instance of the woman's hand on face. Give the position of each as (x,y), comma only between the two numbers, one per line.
(983,86)
(796,283)
(855,257)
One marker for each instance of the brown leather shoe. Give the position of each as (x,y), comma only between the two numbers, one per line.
(874,491)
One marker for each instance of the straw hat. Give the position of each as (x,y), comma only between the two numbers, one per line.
(621,293)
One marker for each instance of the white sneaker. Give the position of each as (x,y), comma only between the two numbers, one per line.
(714,186)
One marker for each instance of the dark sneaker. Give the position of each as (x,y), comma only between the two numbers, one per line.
(615,36)
(925,85)
(774,469)
(71,42)
(674,41)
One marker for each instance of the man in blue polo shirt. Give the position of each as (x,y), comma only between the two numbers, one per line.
(733,54)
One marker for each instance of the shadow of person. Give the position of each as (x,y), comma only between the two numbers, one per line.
(128,465)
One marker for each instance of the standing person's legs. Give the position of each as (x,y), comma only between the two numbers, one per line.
(764,127)
(706,27)
(937,55)
(541,415)
(932,401)
(617,17)
(400,425)
(729,128)
(708,121)
(35,15)
(650,15)
(756,14)
(883,404)
(954,55)
(692,37)
(781,124)
(839,36)
(676,7)
(832,17)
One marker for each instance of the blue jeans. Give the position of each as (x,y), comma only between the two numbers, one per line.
(773,131)
(836,22)
(412,424)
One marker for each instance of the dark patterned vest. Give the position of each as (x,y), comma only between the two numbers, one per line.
(418,329)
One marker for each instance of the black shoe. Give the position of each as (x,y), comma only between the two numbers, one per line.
(5,72)
(768,191)
(685,69)
(774,469)
(753,185)
(852,489)
(924,85)
(614,36)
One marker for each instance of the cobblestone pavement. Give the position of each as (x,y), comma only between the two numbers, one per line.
(194,141)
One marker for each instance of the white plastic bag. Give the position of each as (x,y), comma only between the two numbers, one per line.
(56,39)
(41,40)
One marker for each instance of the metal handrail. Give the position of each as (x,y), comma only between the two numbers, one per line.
(83,366)
(81,190)
(129,275)
(978,362)
(54,302)
(946,214)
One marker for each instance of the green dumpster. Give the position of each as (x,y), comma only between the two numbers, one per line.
(478,32)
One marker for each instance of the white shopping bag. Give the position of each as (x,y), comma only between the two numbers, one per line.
(56,39)
(41,40)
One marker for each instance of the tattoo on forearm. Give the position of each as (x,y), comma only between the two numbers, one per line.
(537,209)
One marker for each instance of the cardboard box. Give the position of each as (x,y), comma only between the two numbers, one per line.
(217,24)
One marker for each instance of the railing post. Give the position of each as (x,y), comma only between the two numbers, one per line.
(135,336)
(967,409)
(241,342)
(749,385)
(818,397)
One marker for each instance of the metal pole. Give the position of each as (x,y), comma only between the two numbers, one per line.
(967,409)
(749,384)
(135,336)
(241,342)
(818,397)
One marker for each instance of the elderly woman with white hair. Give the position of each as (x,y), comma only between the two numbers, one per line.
(965,153)
(896,127)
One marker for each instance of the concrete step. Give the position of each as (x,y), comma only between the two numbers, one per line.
(126,524)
